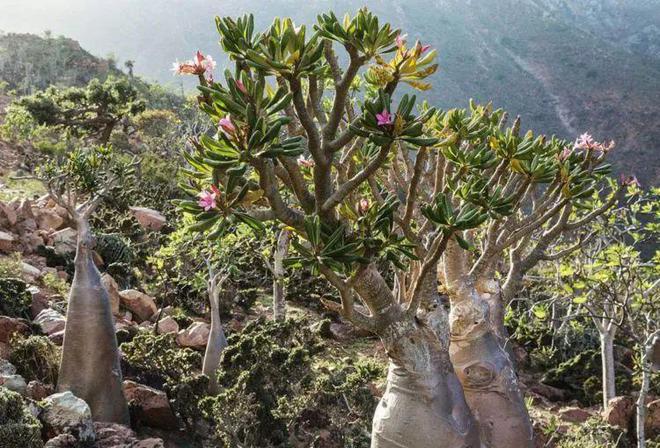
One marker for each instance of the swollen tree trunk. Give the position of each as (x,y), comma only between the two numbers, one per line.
(607,361)
(423,405)
(90,357)
(217,341)
(482,365)
(648,365)
(279,304)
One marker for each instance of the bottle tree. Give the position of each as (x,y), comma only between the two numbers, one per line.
(90,358)
(367,187)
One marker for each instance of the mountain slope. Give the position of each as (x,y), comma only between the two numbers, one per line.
(566,66)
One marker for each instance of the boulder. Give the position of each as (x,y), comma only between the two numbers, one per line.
(195,336)
(30,270)
(64,413)
(150,406)
(7,241)
(113,291)
(14,383)
(8,214)
(6,368)
(150,443)
(57,338)
(575,415)
(620,411)
(39,301)
(652,424)
(38,390)
(9,326)
(550,392)
(148,218)
(62,441)
(167,325)
(64,241)
(50,321)
(140,304)
(48,219)
(112,435)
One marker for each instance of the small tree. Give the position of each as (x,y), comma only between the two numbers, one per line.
(93,111)
(217,341)
(369,189)
(90,358)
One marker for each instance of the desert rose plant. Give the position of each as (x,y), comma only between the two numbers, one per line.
(373,185)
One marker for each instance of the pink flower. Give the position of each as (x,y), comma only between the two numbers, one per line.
(425,49)
(629,180)
(363,206)
(585,141)
(565,154)
(207,200)
(401,40)
(307,163)
(200,65)
(240,86)
(226,126)
(384,118)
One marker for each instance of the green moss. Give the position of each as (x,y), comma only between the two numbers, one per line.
(15,299)
(36,358)
(18,428)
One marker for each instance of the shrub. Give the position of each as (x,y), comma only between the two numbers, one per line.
(18,427)
(155,359)
(594,434)
(11,266)
(36,358)
(15,299)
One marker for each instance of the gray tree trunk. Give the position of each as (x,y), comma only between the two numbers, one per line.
(649,352)
(90,357)
(607,362)
(279,304)
(423,405)
(217,341)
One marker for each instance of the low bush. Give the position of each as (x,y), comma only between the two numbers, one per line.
(18,427)
(36,358)
(15,299)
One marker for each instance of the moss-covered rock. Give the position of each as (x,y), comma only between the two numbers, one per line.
(36,358)
(15,299)
(18,427)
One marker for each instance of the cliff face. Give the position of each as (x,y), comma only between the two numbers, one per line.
(566,66)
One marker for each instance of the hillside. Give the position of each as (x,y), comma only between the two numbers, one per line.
(567,66)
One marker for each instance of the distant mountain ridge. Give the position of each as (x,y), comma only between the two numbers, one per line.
(566,66)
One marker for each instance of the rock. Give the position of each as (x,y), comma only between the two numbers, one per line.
(150,443)
(30,270)
(575,415)
(142,305)
(151,405)
(7,213)
(14,383)
(9,326)
(113,435)
(652,424)
(148,218)
(551,393)
(167,325)
(57,338)
(48,219)
(5,350)
(38,390)
(64,241)
(113,291)
(620,411)
(39,301)
(7,241)
(64,413)
(6,368)
(50,321)
(195,336)
(62,441)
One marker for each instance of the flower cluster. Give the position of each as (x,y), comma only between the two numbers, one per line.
(200,65)
(587,143)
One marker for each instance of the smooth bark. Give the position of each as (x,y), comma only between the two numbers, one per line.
(90,358)
(649,351)
(217,341)
(423,405)
(279,304)
(607,362)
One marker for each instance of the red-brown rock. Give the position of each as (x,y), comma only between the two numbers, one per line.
(151,405)
(10,326)
(620,412)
